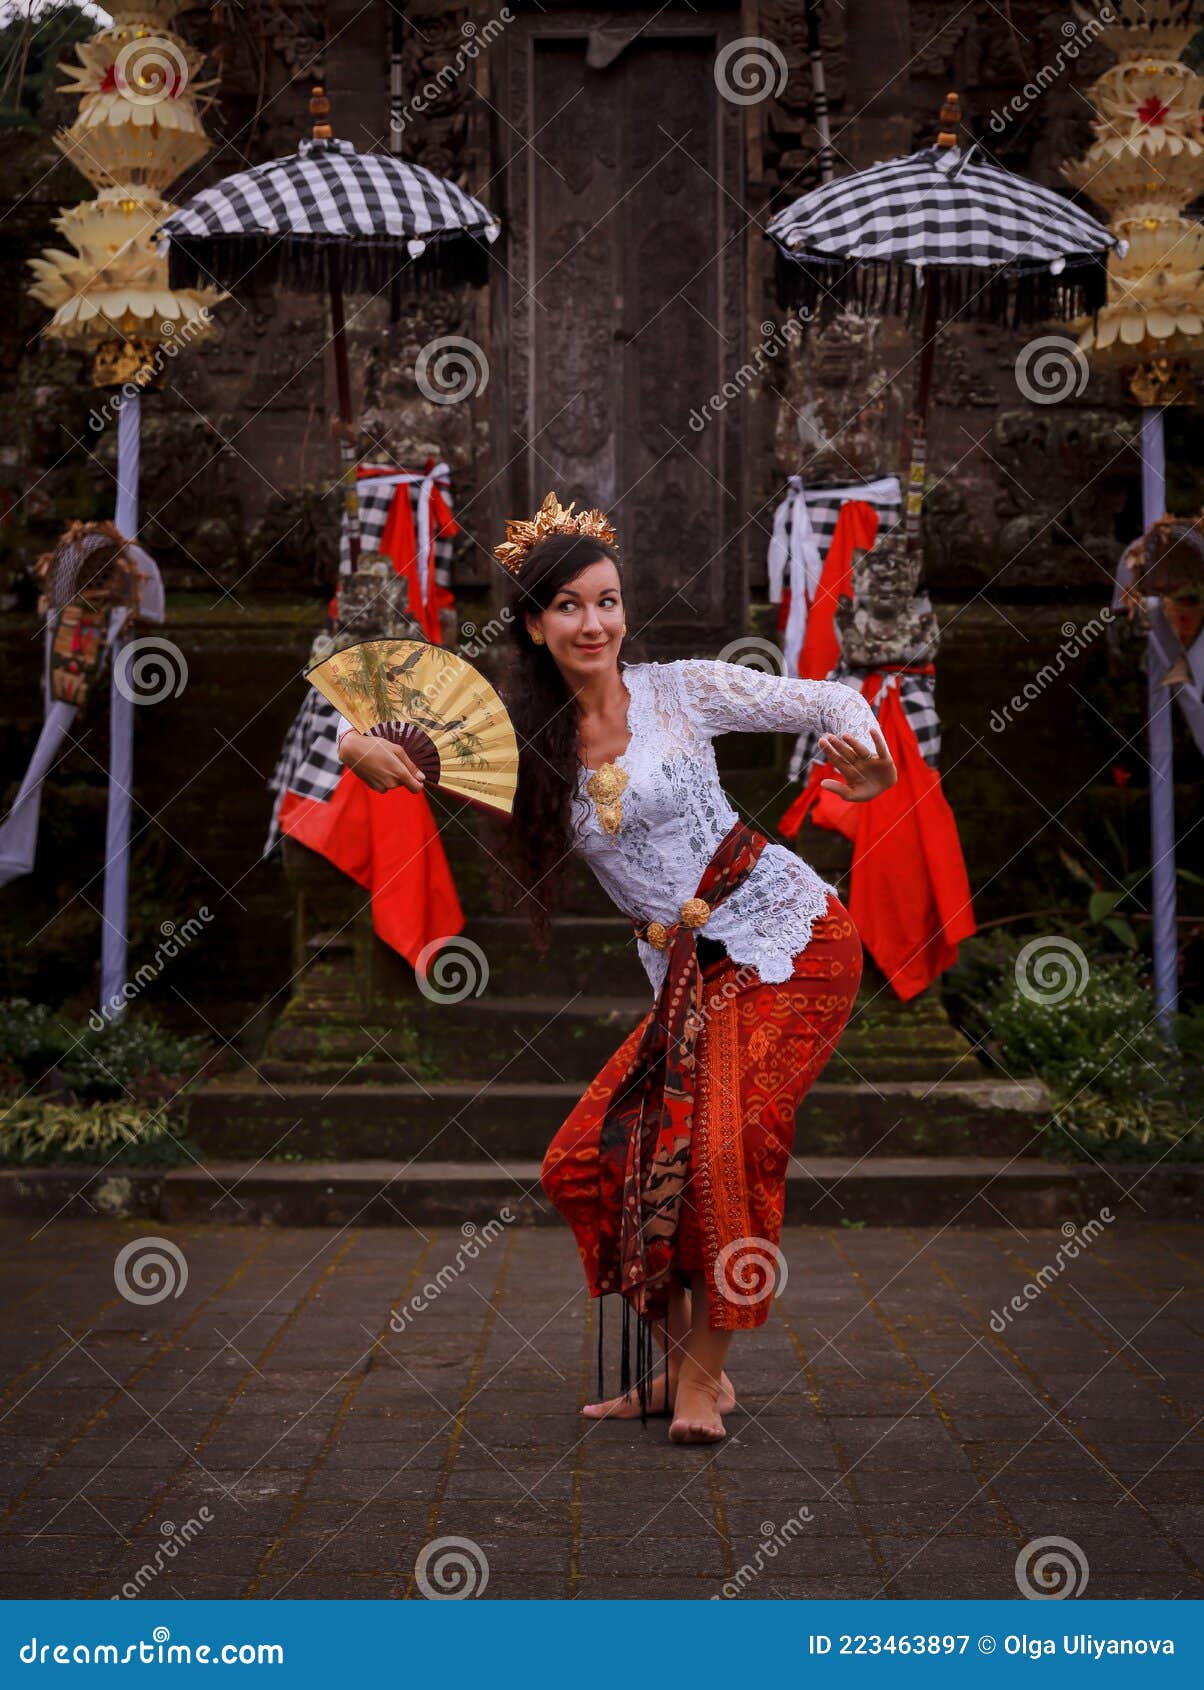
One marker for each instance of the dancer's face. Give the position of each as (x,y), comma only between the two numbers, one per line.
(583,625)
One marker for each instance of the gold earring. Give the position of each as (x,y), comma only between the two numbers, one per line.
(537,636)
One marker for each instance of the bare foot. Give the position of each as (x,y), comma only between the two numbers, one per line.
(628,1407)
(696,1415)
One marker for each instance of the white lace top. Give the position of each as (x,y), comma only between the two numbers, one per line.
(675,812)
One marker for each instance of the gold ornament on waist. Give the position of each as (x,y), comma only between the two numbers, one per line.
(551,518)
(605,787)
(695,912)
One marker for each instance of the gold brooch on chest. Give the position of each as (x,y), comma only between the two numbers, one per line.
(605,787)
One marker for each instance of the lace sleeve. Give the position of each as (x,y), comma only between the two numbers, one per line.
(733,698)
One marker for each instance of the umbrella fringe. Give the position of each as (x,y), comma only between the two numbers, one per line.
(300,263)
(871,287)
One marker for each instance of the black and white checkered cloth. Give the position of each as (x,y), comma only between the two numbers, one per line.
(812,512)
(375,493)
(803,525)
(309,759)
(309,763)
(276,221)
(868,238)
(916,695)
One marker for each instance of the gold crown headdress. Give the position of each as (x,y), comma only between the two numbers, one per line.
(551,518)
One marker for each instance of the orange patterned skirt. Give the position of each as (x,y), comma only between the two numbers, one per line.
(759,1050)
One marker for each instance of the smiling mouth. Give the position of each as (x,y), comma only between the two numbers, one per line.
(597,647)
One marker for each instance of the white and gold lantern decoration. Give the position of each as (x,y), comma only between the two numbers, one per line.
(139,126)
(1145,165)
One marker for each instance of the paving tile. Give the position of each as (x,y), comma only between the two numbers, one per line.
(329,1465)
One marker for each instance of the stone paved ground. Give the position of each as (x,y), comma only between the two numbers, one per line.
(268,1427)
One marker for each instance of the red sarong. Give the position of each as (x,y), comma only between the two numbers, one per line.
(759,1047)
(387,842)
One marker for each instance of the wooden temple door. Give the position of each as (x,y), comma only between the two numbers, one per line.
(622,312)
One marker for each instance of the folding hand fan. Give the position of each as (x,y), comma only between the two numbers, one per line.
(443,714)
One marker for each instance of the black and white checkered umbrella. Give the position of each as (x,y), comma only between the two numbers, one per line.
(943,226)
(330,219)
(940,229)
(278,221)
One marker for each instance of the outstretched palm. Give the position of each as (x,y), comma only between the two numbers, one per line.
(866,773)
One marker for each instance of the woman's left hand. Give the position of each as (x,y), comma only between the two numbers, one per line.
(866,773)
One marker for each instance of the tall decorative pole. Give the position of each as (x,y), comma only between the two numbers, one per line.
(139,127)
(1145,165)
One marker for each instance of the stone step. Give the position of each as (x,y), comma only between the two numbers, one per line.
(566,1052)
(504,1120)
(592,953)
(326,1035)
(832,1191)
(528,1064)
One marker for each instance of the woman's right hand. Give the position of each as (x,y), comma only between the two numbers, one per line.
(379,763)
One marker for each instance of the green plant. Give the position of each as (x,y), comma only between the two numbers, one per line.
(74,1091)
(36,1131)
(1109,908)
(1096,1127)
(1101,1035)
(1120,1088)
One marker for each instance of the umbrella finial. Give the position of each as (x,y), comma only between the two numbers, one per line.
(319,109)
(951,116)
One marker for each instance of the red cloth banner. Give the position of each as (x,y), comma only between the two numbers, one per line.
(909,892)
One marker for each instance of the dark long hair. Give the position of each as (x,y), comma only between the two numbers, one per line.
(531,851)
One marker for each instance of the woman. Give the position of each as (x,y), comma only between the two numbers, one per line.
(671,1169)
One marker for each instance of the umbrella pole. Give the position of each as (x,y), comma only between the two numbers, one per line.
(819,92)
(1161,748)
(396,123)
(918,449)
(346,432)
